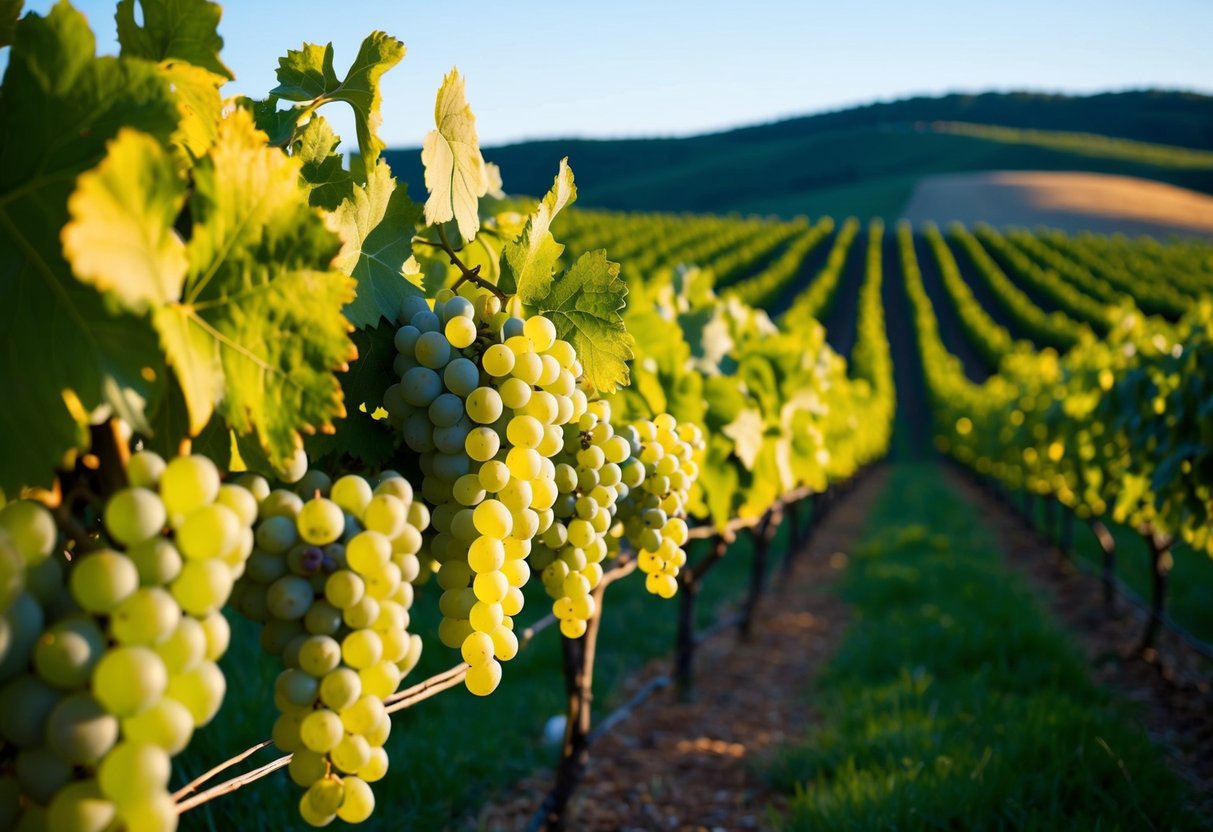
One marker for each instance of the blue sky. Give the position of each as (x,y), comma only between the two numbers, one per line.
(627,68)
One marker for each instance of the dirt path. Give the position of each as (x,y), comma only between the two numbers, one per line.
(689,766)
(1173,691)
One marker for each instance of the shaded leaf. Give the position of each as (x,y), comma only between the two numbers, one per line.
(64,349)
(377,223)
(173,30)
(358,436)
(10,10)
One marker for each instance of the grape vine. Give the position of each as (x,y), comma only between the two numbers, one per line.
(283,386)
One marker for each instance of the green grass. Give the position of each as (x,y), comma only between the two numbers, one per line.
(454,752)
(1086,144)
(1189,586)
(955,703)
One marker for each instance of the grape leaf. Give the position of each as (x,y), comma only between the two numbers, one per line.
(323,168)
(239,340)
(307,74)
(359,436)
(173,30)
(279,125)
(169,422)
(377,223)
(770,467)
(585,303)
(725,399)
(455,174)
(65,351)
(137,254)
(10,10)
(746,431)
(200,107)
(718,480)
(527,263)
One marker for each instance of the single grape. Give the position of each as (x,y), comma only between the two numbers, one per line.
(187,484)
(133,770)
(144,469)
(133,515)
(102,580)
(321,731)
(30,527)
(358,802)
(483,679)
(200,690)
(66,653)
(128,680)
(80,730)
(80,807)
(167,724)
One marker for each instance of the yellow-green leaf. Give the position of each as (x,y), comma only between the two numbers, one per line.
(528,262)
(746,431)
(377,223)
(455,173)
(585,303)
(121,238)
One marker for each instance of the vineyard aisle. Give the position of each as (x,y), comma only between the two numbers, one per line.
(955,701)
(1171,689)
(695,766)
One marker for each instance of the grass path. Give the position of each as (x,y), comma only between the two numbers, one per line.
(954,702)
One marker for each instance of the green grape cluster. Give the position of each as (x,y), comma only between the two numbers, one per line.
(331,579)
(483,397)
(109,660)
(653,515)
(589,476)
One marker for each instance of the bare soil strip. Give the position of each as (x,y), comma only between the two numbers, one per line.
(689,766)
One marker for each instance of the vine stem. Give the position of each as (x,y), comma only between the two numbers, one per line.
(467,275)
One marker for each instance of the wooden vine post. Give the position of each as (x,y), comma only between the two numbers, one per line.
(762,535)
(578,662)
(1107,545)
(794,535)
(1159,546)
(690,580)
(1051,519)
(1066,534)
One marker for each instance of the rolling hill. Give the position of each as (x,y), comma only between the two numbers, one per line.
(869,160)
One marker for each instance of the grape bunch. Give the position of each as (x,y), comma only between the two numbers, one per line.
(654,513)
(109,659)
(482,399)
(590,480)
(331,579)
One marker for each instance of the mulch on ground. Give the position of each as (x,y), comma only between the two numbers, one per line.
(1172,686)
(691,766)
